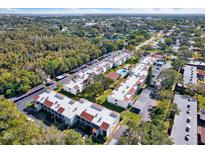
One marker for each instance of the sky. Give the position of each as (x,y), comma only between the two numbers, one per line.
(100,10)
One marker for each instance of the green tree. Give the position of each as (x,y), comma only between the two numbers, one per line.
(145,134)
(73,138)
(185,54)
(201,101)
(16,129)
(169,41)
(168,77)
(149,76)
(178,63)
(166,94)
(51,67)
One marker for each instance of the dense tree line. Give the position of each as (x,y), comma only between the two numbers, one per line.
(28,58)
(16,128)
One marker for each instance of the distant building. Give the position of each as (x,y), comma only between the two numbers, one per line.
(184,130)
(95,118)
(121,58)
(190,75)
(198,64)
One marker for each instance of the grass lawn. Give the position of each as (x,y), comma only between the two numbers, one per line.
(201,101)
(68,94)
(112,107)
(127,115)
(102,100)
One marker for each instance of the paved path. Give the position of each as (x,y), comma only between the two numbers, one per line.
(117,134)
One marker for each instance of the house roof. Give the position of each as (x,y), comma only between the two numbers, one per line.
(113,76)
(202,133)
(131,91)
(48,103)
(86,116)
(201,72)
(105,126)
(94,113)
(60,110)
(126,99)
(36,97)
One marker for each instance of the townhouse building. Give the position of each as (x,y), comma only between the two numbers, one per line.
(123,94)
(83,78)
(96,119)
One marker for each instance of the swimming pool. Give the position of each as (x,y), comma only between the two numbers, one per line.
(122,72)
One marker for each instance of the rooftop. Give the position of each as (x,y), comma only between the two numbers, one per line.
(197,63)
(190,75)
(126,89)
(99,67)
(201,72)
(69,108)
(186,122)
(113,76)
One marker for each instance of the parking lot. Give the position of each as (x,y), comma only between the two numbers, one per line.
(144,103)
(156,71)
(184,130)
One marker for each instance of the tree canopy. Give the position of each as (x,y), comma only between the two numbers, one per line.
(168,77)
(16,128)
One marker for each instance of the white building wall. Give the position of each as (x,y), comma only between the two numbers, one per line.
(118,102)
(70,90)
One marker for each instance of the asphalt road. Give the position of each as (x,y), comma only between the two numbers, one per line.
(23,103)
(116,136)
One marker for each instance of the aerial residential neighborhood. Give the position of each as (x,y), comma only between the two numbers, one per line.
(105,79)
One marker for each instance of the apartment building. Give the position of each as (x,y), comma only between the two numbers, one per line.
(82,78)
(121,58)
(122,95)
(184,130)
(97,119)
(78,83)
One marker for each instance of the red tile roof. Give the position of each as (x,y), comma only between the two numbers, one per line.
(201,72)
(48,103)
(138,82)
(131,91)
(86,116)
(35,97)
(126,99)
(105,126)
(60,110)
(202,133)
(113,76)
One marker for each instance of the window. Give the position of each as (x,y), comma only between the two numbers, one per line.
(104,133)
